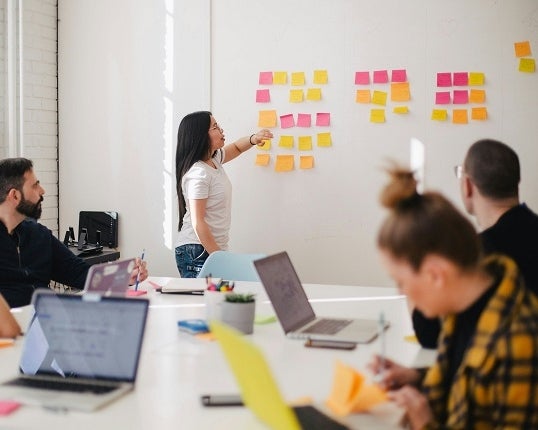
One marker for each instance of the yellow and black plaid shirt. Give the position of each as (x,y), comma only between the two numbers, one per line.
(496,384)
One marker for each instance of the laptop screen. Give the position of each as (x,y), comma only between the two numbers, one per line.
(285,291)
(84,337)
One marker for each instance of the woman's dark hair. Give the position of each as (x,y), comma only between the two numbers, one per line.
(192,145)
(423,224)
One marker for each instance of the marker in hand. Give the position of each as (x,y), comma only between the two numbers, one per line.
(379,376)
(136,292)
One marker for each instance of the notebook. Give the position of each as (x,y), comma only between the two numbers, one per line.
(109,278)
(184,286)
(259,390)
(80,351)
(294,311)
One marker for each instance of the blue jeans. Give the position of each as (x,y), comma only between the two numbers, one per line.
(189,259)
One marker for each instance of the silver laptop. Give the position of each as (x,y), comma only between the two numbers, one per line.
(294,311)
(109,278)
(80,351)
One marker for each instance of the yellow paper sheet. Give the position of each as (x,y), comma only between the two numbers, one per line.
(459,116)
(280,78)
(321,77)
(262,159)
(527,65)
(476,78)
(363,96)
(266,145)
(324,139)
(313,94)
(297,78)
(286,142)
(377,115)
(401,109)
(379,98)
(267,118)
(479,113)
(399,92)
(305,143)
(306,162)
(284,163)
(296,96)
(439,114)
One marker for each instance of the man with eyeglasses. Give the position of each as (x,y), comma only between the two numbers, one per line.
(489,180)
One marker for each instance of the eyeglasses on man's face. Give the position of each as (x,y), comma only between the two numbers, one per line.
(215,127)
(458,171)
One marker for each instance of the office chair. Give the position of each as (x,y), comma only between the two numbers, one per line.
(232,266)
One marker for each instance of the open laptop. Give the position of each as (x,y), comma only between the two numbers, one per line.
(259,390)
(80,351)
(109,278)
(295,313)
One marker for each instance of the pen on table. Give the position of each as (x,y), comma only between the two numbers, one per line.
(138,274)
(382,340)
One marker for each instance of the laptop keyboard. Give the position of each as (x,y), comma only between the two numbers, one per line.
(327,326)
(61,386)
(311,418)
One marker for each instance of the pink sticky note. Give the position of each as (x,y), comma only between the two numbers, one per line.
(461,79)
(266,78)
(399,75)
(461,97)
(263,96)
(442,97)
(135,293)
(444,80)
(381,77)
(287,121)
(304,120)
(323,119)
(8,406)
(362,78)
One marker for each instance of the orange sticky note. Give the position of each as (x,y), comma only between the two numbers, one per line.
(267,118)
(523,49)
(6,342)
(363,96)
(459,116)
(284,163)
(262,159)
(477,96)
(399,92)
(346,383)
(368,396)
(306,162)
(377,115)
(324,139)
(305,143)
(479,113)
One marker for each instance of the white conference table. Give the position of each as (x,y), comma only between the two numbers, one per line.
(176,368)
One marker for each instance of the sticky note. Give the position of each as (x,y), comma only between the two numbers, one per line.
(286,141)
(267,118)
(439,114)
(266,145)
(280,78)
(476,78)
(287,121)
(324,139)
(527,65)
(523,49)
(399,75)
(284,163)
(362,78)
(363,96)
(296,96)
(379,98)
(461,79)
(263,96)
(399,92)
(477,96)
(305,143)
(306,162)
(321,77)
(377,115)
(442,97)
(401,109)
(8,406)
(323,119)
(381,77)
(304,120)
(461,97)
(297,78)
(266,78)
(262,159)
(459,116)
(479,113)
(313,94)
(6,342)
(444,79)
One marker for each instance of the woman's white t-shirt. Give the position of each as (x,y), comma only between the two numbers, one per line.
(205,182)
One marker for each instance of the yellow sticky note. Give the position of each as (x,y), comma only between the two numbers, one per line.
(266,145)
(479,113)
(377,115)
(306,162)
(439,114)
(296,96)
(399,92)
(476,78)
(459,116)
(267,118)
(305,143)
(324,139)
(368,396)
(379,98)
(477,96)
(286,141)
(363,96)
(523,49)
(280,78)
(284,163)
(313,94)
(401,109)
(320,77)
(262,159)
(346,384)
(297,78)
(527,65)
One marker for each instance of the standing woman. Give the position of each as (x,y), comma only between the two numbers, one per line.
(203,189)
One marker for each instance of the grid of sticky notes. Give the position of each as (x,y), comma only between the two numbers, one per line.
(298,130)
(527,64)
(459,90)
(376,87)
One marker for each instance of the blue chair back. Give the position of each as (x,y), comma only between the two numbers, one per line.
(231,266)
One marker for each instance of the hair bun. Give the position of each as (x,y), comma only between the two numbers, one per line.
(401,188)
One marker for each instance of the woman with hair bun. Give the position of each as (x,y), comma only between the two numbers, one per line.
(486,372)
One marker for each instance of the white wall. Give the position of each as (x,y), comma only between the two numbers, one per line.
(129,71)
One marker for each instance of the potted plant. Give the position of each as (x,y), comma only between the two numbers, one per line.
(238,311)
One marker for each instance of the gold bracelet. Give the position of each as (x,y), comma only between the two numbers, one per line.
(237,147)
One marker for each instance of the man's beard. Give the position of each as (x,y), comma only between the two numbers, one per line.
(29,209)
